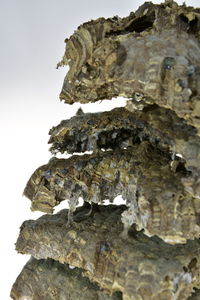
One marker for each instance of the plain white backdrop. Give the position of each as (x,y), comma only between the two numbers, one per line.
(32,35)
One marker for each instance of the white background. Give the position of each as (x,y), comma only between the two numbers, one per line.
(32,37)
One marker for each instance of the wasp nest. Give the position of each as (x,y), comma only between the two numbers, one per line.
(59,281)
(147,152)
(152,55)
(141,268)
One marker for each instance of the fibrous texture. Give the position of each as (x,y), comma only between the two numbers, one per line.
(143,176)
(153,55)
(195,295)
(147,152)
(142,268)
(50,280)
(120,128)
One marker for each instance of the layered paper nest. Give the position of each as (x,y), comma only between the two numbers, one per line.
(147,152)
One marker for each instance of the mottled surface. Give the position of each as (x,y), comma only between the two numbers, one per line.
(148,152)
(119,129)
(50,280)
(195,295)
(153,55)
(153,191)
(141,268)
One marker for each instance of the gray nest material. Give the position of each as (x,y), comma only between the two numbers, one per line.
(50,280)
(153,56)
(141,268)
(120,129)
(155,196)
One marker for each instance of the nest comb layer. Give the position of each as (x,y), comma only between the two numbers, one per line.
(142,268)
(153,53)
(119,129)
(148,152)
(155,196)
(50,280)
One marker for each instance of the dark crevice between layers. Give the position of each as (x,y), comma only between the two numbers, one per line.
(138,25)
(147,153)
